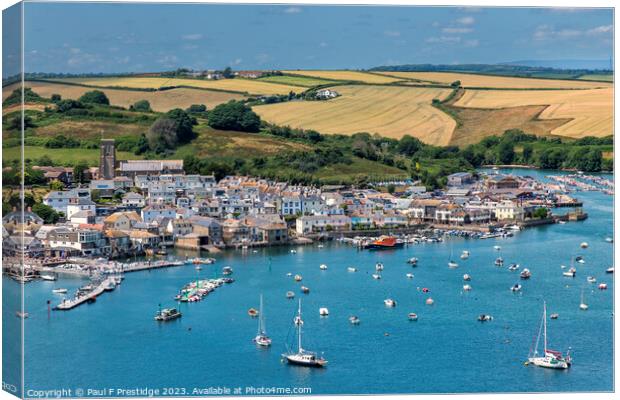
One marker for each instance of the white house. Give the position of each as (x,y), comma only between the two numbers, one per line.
(321,223)
(133,200)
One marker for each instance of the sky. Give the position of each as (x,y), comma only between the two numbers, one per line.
(109,38)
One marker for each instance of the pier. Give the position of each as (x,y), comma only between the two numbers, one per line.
(99,289)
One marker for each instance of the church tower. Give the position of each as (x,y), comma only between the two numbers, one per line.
(107,159)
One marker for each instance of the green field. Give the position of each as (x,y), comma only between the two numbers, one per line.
(597,77)
(295,80)
(61,156)
(360,168)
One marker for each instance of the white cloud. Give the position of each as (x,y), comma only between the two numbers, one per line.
(600,30)
(168,61)
(192,36)
(293,10)
(457,30)
(547,32)
(392,33)
(444,39)
(471,43)
(466,20)
(236,61)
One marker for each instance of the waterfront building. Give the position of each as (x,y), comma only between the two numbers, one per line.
(149,213)
(122,220)
(322,223)
(59,200)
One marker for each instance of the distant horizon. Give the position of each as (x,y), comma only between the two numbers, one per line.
(112,38)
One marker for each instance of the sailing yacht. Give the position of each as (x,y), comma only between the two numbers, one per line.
(582,306)
(451,262)
(261,338)
(550,358)
(302,356)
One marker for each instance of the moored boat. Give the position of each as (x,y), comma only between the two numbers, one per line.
(413,261)
(550,358)
(525,274)
(354,320)
(389,303)
(302,356)
(59,291)
(167,314)
(384,243)
(261,337)
(466,277)
(485,318)
(412,316)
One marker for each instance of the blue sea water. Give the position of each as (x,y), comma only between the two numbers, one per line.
(114,343)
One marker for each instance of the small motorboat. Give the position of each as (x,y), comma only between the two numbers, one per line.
(354,320)
(323,266)
(466,277)
(609,270)
(293,251)
(602,286)
(409,276)
(464,255)
(167,314)
(227,270)
(609,240)
(570,273)
(389,303)
(198,268)
(59,291)
(498,248)
(591,279)
(516,287)
(320,246)
(48,277)
(379,267)
(22,315)
(425,290)
(252,312)
(513,267)
(290,295)
(525,274)
(323,312)
(580,260)
(584,245)
(352,269)
(376,276)
(485,318)
(582,305)
(430,301)
(289,274)
(305,290)
(412,316)
(298,278)
(412,261)
(499,261)
(452,264)
(466,288)
(554,316)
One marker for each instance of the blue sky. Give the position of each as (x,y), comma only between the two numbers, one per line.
(107,38)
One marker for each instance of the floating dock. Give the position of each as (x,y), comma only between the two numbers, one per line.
(69,304)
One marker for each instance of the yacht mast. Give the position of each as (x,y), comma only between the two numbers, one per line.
(545,319)
(300,322)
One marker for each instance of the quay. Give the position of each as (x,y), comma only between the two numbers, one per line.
(99,289)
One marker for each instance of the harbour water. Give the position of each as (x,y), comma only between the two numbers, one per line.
(115,343)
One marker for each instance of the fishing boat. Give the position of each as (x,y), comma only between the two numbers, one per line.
(323,312)
(409,276)
(485,318)
(591,279)
(167,314)
(516,287)
(384,243)
(570,273)
(583,306)
(297,278)
(352,269)
(413,261)
(252,312)
(227,270)
(302,356)
(466,277)
(609,270)
(354,320)
(389,303)
(379,266)
(550,358)
(525,274)
(290,295)
(261,338)
(59,291)
(323,266)
(412,316)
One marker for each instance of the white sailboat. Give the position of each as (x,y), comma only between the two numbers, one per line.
(302,356)
(582,306)
(261,338)
(550,358)
(451,262)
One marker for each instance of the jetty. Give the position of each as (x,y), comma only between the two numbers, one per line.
(79,300)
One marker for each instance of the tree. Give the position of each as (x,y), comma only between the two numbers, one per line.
(409,145)
(527,153)
(49,215)
(540,213)
(79,171)
(184,124)
(234,116)
(141,105)
(506,152)
(197,108)
(94,97)
(455,84)
(16,122)
(56,98)
(227,73)
(162,135)
(391,188)
(57,185)
(45,161)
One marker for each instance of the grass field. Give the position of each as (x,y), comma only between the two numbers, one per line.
(472,80)
(160,101)
(595,77)
(590,112)
(391,111)
(345,76)
(360,168)
(90,129)
(305,81)
(250,86)
(62,156)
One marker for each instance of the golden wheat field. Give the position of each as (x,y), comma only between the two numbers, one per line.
(346,76)
(160,101)
(472,80)
(591,110)
(250,86)
(391,111)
